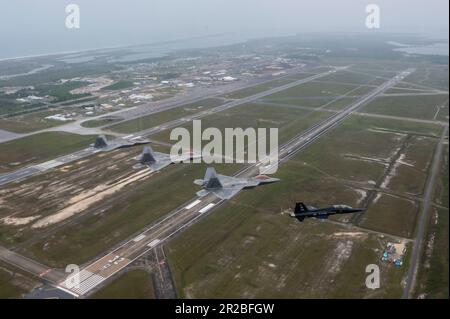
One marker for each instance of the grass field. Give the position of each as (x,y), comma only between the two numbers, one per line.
(119,86)
(264,87)
(99,122)
(433,275)
(435,77)
(14,284)
(39,147)
(135,284)
(442,191)
(392,215)
(165,116)
(288,120)
(395,126)
(7,288)
(30,122)
(420,107)
(312,94)
(349,77)
(118,216)
(442,114)
(247,248)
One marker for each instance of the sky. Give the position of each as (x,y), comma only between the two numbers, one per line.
(32,27)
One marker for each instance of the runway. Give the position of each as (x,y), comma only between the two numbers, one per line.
(37,169)
(187,214)
(34,170)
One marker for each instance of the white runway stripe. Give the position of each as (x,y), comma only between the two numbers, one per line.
(88,280)
(139,238)
(154,243)
(206,208)
(195,203)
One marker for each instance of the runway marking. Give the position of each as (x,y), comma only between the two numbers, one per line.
(139,238)
(195,203)
(45,272)
(48,165)
(68,291)
(154,243)
(88,280)
(128,136)
(206,208)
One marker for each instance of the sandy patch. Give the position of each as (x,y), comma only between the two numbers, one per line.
(340,254)
(403,162)
(393,172)
(377,197)
(81,202)
(361,193)
(366,159)
(383,130)
(353,234)
(18,221)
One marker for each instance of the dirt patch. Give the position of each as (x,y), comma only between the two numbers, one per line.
(19,221)
(350,234)
(81,202)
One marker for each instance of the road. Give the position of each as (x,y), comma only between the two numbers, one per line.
(423,219)
(63,160)
(145,109)
(46,273)
(234,103)
(37,169)
(100,270)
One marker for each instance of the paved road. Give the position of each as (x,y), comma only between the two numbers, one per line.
(135,112)
(46,273)
(417,248)
(7,136)
(234,103)
(37,169)
(63,160)
(184,216)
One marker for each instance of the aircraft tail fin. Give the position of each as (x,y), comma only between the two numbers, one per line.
(300,208)
(212,179)
(100,141)
(147,156)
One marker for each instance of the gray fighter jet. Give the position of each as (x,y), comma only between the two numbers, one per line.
(226,187)
(103,145)
(157,161)
(153,160)
(302,211)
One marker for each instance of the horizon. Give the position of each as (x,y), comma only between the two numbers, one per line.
(39,28)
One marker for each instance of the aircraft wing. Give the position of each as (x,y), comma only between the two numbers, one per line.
(226,180)
(161,156)
(227,193)
(159,165)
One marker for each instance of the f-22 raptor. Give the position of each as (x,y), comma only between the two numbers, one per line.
(156,161)
(302,211)
(103,145)
(226,187)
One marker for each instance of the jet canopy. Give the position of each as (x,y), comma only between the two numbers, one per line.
(341,207)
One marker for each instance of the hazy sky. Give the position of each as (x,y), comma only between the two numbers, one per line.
(30,27)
